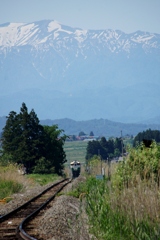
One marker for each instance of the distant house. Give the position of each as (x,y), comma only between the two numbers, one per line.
(89,139)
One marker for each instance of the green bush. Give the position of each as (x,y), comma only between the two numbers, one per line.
(7,188)
(142,162)
(43,166)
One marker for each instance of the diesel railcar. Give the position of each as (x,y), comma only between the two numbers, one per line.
(75,169)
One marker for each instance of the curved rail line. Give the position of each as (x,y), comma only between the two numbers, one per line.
(15,224)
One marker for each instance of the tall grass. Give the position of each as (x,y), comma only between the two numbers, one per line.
(128,214)
(7,188)
(10,181)
(127,206)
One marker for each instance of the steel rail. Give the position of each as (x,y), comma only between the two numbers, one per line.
(20,231)
(22,210)
(3,217)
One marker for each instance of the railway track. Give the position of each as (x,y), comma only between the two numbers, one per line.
(19,223)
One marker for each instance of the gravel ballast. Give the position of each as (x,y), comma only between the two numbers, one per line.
(65,219)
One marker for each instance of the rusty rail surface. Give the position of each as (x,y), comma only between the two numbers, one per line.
(15,224)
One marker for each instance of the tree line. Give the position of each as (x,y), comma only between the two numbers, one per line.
(106,149)
(26,142)
(147,135)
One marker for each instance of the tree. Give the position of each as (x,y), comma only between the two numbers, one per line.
(111,147)
(104,143)
(117,152)
(39,148)
(43,166)
(91,134)
(117,147)
(81,134)
(11,134)
(147,135)
(118,143)
(23,137)
(93,148)
(96,148)
(104,148)
(54,141)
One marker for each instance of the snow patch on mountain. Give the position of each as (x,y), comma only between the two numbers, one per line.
(142,38)
(80,35)
(53,25)
(8,34)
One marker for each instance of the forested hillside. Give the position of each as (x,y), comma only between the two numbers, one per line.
(100,127)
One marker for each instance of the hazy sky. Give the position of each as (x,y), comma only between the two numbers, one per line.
(125,15)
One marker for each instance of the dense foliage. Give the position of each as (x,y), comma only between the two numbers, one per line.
(54,143)
(147,135)
(106,149)
(39,148)
(142,162)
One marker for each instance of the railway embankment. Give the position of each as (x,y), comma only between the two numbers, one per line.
(65,218)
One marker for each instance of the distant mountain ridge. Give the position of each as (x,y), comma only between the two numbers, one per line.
(65,72)
(51,33)
(100,127)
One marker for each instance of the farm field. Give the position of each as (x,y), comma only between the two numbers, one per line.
(75,151)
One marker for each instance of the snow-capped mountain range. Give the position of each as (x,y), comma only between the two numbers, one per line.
(62,71)
(55,35)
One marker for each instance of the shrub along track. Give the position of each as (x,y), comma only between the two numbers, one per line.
(16,224)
